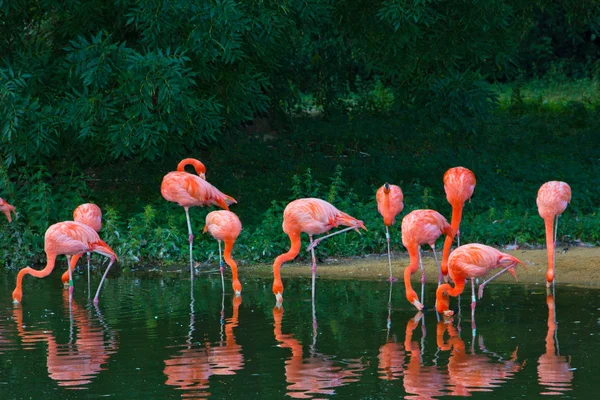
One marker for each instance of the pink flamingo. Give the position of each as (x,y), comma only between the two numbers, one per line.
(312,216)
(389,204)
(552,200)
(7,209)
(190,190)
(459,184)
(225,226)
(472,261)
(67,238)
(421,227)
(90,215)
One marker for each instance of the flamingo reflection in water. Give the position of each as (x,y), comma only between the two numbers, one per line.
(77,362)
(318,374)
(554,371)
(470,372)
(192,367)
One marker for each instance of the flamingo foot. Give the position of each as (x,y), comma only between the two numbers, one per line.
(480,292)
(392,279)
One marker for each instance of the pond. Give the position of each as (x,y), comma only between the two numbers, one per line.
(150,338)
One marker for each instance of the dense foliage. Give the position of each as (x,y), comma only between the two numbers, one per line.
(98,100)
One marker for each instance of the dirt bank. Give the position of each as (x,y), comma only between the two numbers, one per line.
(578,266)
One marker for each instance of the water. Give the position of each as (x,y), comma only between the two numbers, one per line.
(149,339)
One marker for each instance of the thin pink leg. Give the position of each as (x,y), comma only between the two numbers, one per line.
(112,260)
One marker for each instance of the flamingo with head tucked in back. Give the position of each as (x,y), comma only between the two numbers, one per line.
(312,216)
(90,215)
(472,261)
(225,226)
(552,200)
(459,184)
(7,209)
(389,204)
(190,190)
(421,227)
(67,238)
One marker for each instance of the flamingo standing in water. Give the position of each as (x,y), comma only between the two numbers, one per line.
(421,227)
(226,226)
(7,209)
(389,204)
(90,215)
(190,190)
(67,238)
(552,200)
(459,184)
(472,261)
(312,216)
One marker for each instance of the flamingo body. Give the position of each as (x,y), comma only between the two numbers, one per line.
(552,200)
(420,227)
(389,203)
(225,226)
(66,238)
(312,216)
(471,261)
(7,209)
(459,184)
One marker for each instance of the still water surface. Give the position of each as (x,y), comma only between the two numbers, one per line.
(150,338)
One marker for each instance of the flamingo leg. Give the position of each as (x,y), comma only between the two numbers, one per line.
(314,266)
(422,277)
(112,260)
(319,240)
(89,284)
(315,328)
(387,237)
(221,267)
(480,292)
(440,275)
(70,278)
(473,305)
(554,255)
(389,319)
(191,239)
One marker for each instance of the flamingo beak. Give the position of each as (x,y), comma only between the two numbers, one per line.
(279,298)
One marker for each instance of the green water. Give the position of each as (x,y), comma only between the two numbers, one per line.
(149,340)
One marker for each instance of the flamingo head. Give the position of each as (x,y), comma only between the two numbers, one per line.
(442,300)
(17,296)
(237,288)
(386,188)
(278,290)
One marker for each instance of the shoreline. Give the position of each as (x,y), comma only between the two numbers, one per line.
(577,266)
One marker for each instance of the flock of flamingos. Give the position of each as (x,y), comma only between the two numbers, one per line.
(315,216)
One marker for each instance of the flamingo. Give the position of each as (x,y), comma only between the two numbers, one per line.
(190,190)
(459,184)
(312,216)
(90,215)
(67,238)
(421,227)
(6,209)
(472,261)
(389,204)
(225,226)
(552,200)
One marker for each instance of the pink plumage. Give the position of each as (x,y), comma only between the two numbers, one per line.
(7,209)
(553,198)
(223,225)
(90,215)
(423,227)
(314,216)
(476,260)
(190,190)
(389,202)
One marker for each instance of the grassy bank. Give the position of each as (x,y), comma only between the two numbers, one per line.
(343,158)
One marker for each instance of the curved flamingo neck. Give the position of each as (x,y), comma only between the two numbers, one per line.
(549,223)
(457,210)
(413,254)
(230,261)
(198,166)
(285,257)
(386,209)
(18,292)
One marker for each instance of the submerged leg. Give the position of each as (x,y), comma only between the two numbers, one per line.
(112,260)
(191,239)
(221,266)
(314,267)
(480,292)
(473,305)
(422,277)
(387,237)
(440,276)
(554,255)
(89,284)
